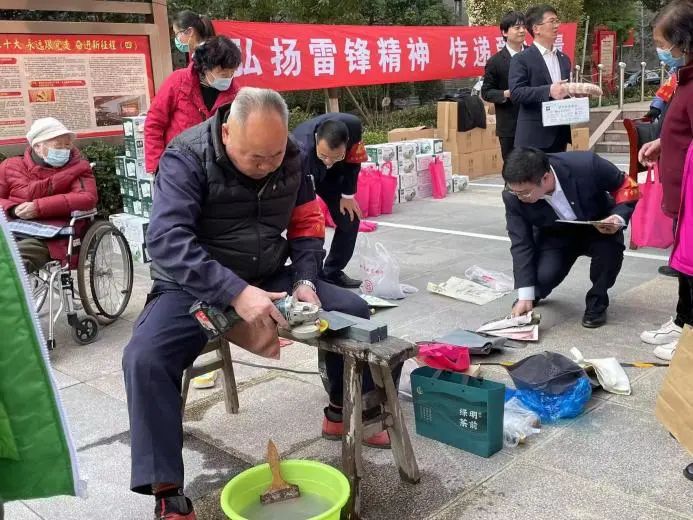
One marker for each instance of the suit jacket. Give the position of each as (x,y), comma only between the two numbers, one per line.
(530,82)
(495,83)
(587,181)
(344,172)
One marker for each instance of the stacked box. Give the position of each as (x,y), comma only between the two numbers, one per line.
(580,138)
(133,128)
(430,146)
(134,229)
(459,183)
(410,134)
(406,150)
(380,153)
(136,186)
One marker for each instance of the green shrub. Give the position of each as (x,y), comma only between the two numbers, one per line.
(298,115)
(103,154)
(374,136)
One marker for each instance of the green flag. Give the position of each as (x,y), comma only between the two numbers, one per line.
(37,457)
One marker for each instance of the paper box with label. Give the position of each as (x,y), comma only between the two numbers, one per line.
(489,141)
(134,230)
(120,168)
(428,146)
(133,127)
(134,168)
(407,166)
(406,150)
(423,162)
(424,178)
(567,111)
(409,134)
(493,161)
(580,138)
(459,183)
(445,158)
(447,118)
(423,191)
(407,187)
(134,149)
(465,142)
(145,189)
(470,164)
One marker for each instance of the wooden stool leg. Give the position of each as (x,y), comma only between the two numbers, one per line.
(402,451)
(351,442)
(184,391)
(230,390)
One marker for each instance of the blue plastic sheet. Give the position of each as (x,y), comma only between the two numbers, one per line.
(549,407)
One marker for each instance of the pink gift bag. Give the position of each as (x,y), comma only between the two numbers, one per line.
(363,188)
(437,171)
(650,227)
(388,189)
(375,189)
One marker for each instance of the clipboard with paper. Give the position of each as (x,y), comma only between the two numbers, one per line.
(569,111)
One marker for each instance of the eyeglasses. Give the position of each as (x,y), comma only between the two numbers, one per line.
(555,22)
(523,195)
(327,158)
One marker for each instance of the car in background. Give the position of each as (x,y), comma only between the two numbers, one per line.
(652,78)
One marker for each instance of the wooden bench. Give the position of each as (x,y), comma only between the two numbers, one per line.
(221,362)
(381,358)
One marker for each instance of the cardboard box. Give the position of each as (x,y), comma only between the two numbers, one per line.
(580,138)
(407,187)
(465,142)
(423,191)
(134,169)
(447,118)
(133,127)
(144,189)
(407,166)
(423,179)
(134,229)
(406,150)
(445,158)
(134,149)
(470,164)
(459,183)
(430,146)
(489,141)
(389,168)
(120,166)
(423,161)
(409,134)
(379,153)
(493,162)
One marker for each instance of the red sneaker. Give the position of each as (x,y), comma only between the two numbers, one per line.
(334,431)
(174,508)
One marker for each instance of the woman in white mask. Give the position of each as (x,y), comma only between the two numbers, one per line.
(48,183)
(190,96)
(190,30)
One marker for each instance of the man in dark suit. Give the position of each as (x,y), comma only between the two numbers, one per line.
(539,74)
(544,188)
(495,87)
(332,154)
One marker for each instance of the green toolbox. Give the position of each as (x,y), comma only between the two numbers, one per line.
(459,410)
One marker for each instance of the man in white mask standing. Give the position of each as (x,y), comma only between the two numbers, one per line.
(46,184)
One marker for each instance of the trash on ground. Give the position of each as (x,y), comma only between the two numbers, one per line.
(495,280)
(464,290)
(444,356)
(518,423)
(478,345)
(459,410)
(518,328)
(374,301)
(380,272)
(551,385)
(610,373)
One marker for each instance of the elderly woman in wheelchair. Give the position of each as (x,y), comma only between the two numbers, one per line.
(49,195)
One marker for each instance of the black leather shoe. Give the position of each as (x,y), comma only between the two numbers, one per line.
(342,280)
(594,321)
(668,271)
(688,472)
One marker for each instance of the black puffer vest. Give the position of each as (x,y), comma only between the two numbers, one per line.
(242,220)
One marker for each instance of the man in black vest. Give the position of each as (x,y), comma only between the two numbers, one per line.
(495,87)
(570,186)
(333,153)
(226,191)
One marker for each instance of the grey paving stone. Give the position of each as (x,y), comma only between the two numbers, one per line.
(526,491)
(645,391)
(92,415)
(63,380)
(625,449)
(446,472)
(17,511)
(288,411)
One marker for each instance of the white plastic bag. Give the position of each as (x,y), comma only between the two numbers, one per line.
(380,271)
(499,282)
(609,372)
(518,423)
(405,379)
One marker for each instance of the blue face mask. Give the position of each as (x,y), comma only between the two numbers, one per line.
(221,83)
(182,47)
(57,157)
(670,61)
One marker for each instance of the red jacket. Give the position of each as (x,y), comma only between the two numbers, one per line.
(56,191)
(177,106)
(676,135)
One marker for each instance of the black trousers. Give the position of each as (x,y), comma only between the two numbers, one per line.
(558,252)
(684,307)
(166,340)
(507,145)
(346,230)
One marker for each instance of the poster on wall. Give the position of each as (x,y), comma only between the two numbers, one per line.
(285,56)
(89,82)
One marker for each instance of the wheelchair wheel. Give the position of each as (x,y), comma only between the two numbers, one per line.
(38,282)
(85,330)
(104,273)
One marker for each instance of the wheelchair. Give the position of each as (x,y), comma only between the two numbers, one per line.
(102,264)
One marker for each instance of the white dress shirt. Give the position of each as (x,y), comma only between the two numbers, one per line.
(511,50)
(551,59)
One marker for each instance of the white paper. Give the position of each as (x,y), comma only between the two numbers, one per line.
(565,111)
(504,323)
(374,301)
(464,290)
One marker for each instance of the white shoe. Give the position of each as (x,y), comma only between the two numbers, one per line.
(665,334)
(666,352)
(207,380)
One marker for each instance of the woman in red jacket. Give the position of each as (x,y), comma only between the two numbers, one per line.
(190,96)
(47,184)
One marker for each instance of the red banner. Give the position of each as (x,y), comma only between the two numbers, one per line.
(286,56)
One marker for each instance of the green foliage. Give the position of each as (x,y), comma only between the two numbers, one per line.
(489,12)
(103,154)
(619,17)
(298,115)
(374,137)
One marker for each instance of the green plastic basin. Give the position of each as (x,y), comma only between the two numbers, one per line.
(310,476)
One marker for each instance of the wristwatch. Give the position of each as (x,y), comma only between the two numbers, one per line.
(307,283)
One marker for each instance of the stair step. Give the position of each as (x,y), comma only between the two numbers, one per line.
(618,136)
(612,147)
